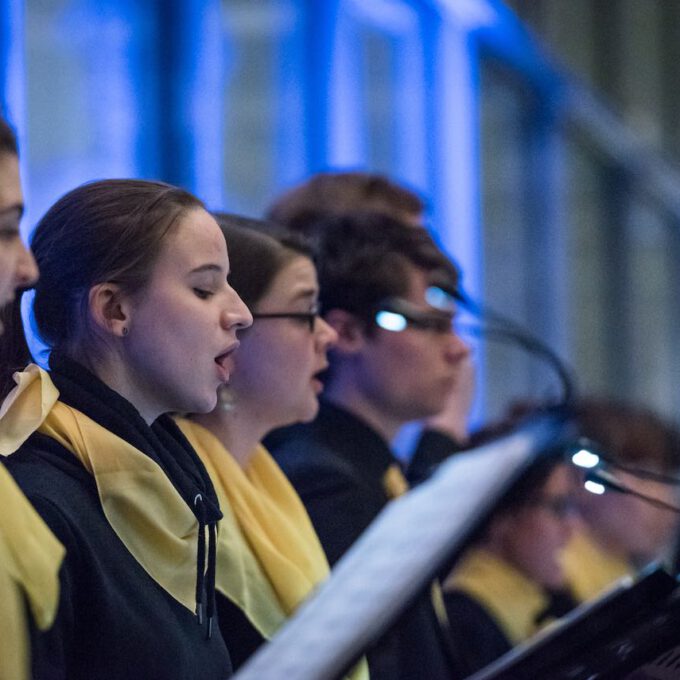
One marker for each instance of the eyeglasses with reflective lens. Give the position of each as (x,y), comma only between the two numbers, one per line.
(309,317)
(395,314)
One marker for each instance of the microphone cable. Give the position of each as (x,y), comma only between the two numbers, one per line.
(597,459)
(609,481)
(498,327)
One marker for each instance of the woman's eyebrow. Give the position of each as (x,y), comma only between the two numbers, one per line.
(207,268)
(305,293)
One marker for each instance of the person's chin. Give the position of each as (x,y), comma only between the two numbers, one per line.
(204,403)
(312,411)
(308,411)
(432,407)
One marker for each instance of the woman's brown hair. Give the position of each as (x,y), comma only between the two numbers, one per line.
(110,230)
(258,251)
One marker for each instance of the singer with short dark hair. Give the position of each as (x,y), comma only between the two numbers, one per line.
(388,292)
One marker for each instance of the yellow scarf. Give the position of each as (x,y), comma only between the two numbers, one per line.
(394,482)
(139,501)
(270,515)
(513,600)
(281,541)
(30,558)
(590,569)
(150,517)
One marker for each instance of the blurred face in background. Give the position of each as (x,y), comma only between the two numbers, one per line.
(532,536)
(17,266)
(631,527)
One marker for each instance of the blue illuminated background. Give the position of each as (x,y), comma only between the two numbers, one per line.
(237,100)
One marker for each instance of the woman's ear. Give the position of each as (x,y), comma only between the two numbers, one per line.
(350,330)
(109,308)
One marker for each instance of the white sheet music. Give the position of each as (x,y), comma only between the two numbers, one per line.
(393,560)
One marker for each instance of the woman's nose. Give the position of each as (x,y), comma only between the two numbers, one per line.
(325,333)
(27,269)
(236,314)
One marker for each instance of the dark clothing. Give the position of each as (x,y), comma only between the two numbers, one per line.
(240,634)
(433,448)
(477,638)
(337,464)
(114,621)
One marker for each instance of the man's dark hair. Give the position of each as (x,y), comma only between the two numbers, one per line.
(337,193)
(364,258)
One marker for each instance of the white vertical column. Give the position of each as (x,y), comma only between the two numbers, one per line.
(346,109)
(456,163)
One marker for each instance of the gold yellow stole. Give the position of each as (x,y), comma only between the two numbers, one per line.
(30,557)
(276,527)
(139,501)
(588,568)
(511,599)
(394,482)
(395,485)
(269,514)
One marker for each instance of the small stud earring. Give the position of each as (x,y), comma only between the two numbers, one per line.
(225,399)
(125,330)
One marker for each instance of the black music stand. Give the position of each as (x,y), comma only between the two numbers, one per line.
(617,636)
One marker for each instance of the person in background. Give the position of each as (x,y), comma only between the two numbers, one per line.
(17,265)
(276,559)
(336,193)
(511,583)
(339,193)
(387,291)
(619,533)
(30,555)
(134,303)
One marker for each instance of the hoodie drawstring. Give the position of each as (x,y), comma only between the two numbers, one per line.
(210,575)
(205,577)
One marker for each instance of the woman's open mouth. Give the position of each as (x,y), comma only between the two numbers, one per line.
(225,362)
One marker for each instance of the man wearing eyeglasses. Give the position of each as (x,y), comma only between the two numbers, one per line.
(327,194)
(389,293)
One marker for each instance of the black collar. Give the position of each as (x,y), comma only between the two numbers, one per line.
(162,442)
(355,440)
(166,445)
